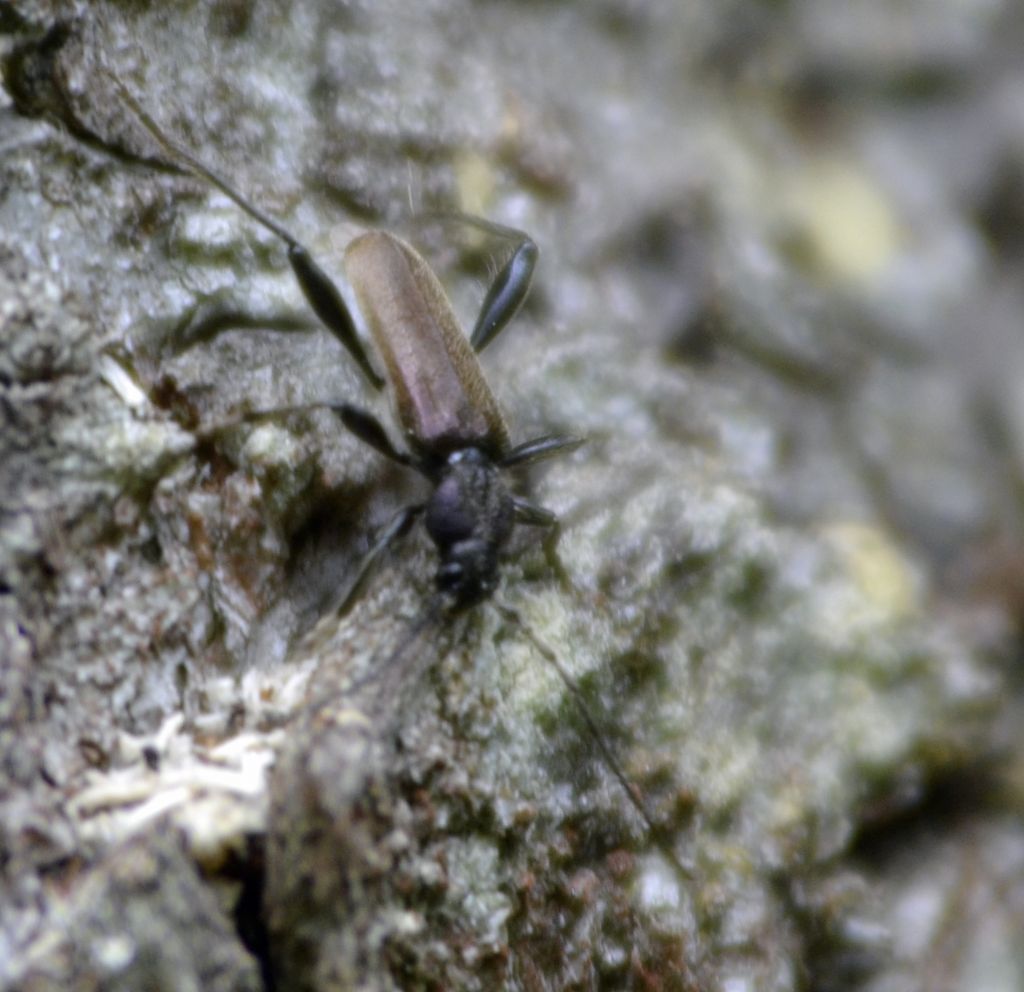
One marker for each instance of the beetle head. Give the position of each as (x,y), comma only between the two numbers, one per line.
(469,517)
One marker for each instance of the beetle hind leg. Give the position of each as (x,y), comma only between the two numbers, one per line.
(320,290)
(369,430)
(509,287)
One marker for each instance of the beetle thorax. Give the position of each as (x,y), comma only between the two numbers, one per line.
(469,517)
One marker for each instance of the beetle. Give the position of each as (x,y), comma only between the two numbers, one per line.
(455,433)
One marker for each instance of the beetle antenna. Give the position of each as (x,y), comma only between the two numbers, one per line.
(203,171)
(630,788)
(402,668)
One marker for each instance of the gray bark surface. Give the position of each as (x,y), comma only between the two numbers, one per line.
(779,293)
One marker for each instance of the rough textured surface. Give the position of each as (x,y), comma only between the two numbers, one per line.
(779,292)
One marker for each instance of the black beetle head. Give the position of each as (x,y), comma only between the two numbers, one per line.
(469,517)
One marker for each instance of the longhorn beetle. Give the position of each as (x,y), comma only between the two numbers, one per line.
(456,435)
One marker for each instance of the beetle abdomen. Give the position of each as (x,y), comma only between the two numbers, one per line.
(441,398)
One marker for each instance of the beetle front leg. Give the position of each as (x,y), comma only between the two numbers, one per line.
(533,515)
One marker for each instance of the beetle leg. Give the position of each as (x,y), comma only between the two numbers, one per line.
(319,289)
(398,527)
(533,515)
(541,447)
(368,429)
(509,287)
(324,297)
